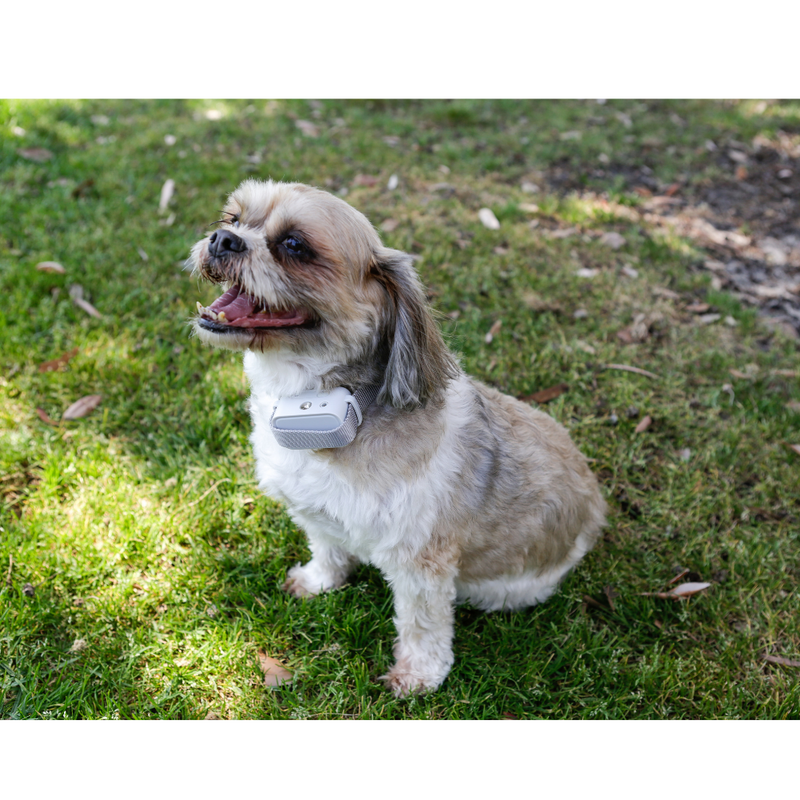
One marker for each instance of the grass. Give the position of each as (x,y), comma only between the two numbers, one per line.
(156,566)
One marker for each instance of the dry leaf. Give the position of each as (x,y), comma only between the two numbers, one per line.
(563,233)
(545,395)
(794,405)
(167,190)
(613,239)
(493,331)
(307,128)
(393,183)
(586,272)
(742,375)
(488,219)
(50,266)
(388,225)
(87,307)
(687,589)
(698,308)
(80,408)
(707,319)
(78,645)
(274,672)
(625,336)
(36,154)
(660,291)
(365,180)
(795,447)
(212,715)
(786,662)
(679,592)
(57,363)
(43,416)
(635,370)
(643,425)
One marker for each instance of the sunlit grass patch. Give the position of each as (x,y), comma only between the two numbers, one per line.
(155,566)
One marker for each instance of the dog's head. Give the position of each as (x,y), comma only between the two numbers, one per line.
(307,274)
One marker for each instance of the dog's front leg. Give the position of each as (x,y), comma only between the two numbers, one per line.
(330,563)
(424,619)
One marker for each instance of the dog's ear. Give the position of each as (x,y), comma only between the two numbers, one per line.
(419,363)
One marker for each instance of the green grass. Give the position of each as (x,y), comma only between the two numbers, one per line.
(141,529)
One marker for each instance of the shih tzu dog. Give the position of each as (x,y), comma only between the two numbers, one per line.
(366,427)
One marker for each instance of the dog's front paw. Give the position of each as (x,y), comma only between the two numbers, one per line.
(298,585)
(403,681)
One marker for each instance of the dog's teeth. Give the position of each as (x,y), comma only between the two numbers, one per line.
(212,314)
(199,308)
(221,316)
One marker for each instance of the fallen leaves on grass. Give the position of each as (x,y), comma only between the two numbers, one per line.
(274,672)
(493,331)
(82,407)
(794,447)
(785,662)
(39,154)
(50,266)
(76,293)
(644,424)
(167,190)
(681,591)
(545,395)
(307,128)
(613,239)
(634,370)
(638,331)
(488,219)
(365,180)
(57,363)
(43,416)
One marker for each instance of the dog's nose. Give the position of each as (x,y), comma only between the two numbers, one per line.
(222,242)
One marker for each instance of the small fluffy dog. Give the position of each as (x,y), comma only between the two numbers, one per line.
(454,491)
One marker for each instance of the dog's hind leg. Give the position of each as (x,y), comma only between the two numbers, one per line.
(330,564)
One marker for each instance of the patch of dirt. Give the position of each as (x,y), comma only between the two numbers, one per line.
(748,222)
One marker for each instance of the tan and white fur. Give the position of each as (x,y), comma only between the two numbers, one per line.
(454,491)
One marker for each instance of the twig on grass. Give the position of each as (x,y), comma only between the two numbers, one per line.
(636,370)
(208,491)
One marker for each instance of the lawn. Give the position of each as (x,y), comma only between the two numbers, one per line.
(140,568)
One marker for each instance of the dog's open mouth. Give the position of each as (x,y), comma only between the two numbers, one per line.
(235,309)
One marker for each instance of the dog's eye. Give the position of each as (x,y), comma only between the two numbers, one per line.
(294,245)
(234,221)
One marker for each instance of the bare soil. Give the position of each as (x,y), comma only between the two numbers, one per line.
(746,219)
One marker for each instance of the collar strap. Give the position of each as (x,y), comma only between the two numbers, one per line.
(319,420)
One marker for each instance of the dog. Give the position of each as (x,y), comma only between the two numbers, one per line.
(454,491)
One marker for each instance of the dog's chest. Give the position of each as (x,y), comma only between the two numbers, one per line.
(310,483)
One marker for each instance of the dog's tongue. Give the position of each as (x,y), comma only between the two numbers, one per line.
(235,304)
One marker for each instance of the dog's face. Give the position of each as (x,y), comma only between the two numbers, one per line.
(305,272)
